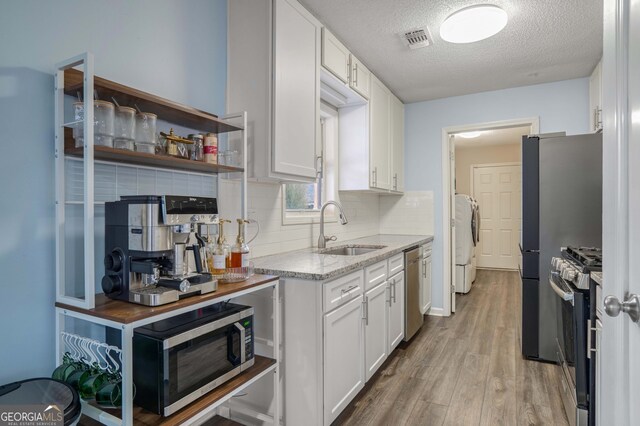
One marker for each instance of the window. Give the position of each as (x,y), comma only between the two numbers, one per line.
(302,201)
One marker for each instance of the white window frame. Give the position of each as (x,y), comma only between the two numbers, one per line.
(329,140)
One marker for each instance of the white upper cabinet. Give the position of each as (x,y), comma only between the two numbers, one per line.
(360,79)
(372,143)
(380,130)
(335,56)
(397,145)
(595,99)
(274,74)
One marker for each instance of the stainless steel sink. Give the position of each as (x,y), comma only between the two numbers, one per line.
(350,250)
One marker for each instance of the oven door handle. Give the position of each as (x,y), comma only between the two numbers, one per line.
(231,354)
(560,292)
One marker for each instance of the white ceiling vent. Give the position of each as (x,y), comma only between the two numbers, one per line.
(415,39)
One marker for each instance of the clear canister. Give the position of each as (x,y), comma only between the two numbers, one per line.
(146,128)
(103,123)
(125,128)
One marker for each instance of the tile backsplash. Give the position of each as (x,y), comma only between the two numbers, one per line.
(265,206)
(410,214)
(368,214)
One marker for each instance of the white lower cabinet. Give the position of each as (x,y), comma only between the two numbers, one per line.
(337,334)
(375,335)
(343,357)
(396,311)
(425,279)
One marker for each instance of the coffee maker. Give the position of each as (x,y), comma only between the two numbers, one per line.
(154,251)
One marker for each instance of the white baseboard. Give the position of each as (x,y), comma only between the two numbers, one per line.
(436,312)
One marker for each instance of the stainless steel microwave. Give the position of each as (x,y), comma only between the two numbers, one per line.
(178,360)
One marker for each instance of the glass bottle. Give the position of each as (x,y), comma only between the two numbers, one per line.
(240,250)
(220,252)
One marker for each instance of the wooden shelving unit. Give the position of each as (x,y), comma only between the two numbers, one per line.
(115,155)
(127,316)
(85,305)
(143,417)
(167,110)
(122,312)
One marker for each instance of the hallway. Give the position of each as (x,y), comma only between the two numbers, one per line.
(464,370)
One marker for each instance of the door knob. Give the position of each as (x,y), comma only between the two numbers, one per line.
(631,306)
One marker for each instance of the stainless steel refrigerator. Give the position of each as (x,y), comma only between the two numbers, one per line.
(561,206)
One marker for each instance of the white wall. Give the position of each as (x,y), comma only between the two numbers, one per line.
(561,106)
(173,48)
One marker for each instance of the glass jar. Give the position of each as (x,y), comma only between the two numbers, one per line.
(125,128)
(146,128)
(103,123)
(197,149)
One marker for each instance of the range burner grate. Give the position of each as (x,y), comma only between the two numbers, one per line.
(587,256)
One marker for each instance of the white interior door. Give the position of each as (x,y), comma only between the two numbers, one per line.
(497,189)
(619,382)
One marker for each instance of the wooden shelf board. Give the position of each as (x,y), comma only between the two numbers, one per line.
(166,110)
(126,313)
(145,159)
(144,417)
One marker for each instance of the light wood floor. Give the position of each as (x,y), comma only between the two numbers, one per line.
(464,370)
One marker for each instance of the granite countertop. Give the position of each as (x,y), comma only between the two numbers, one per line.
(309,264)
(597,277)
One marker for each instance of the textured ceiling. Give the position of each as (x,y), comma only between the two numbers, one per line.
(544,40)
(509,136)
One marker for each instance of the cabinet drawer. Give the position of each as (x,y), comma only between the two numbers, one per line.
(396,264)
(426,249)
(375,274)
(342,290)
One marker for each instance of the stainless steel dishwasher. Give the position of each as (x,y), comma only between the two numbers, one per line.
(413,317)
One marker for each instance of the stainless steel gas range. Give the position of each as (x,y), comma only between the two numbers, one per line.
(570,279)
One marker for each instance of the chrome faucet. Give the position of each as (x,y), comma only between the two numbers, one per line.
(322,240)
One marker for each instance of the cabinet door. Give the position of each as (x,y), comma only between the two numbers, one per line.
(375,325)
(397,144)
(380,113)
(343,357)
(425,281)
(335,56)
(396,310)
(296,104)
(360,78)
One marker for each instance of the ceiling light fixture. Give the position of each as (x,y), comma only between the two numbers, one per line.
(469,135)
(473,23)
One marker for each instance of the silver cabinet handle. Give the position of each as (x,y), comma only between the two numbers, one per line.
(389,284)
(631,306)
(348,289)
(366,310)
(394,291)
(355,74)
(424,268)
(395,181)
(374,174)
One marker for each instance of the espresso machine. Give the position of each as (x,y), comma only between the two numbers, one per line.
(154,251)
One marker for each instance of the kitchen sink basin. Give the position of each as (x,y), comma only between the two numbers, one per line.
(350,250)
